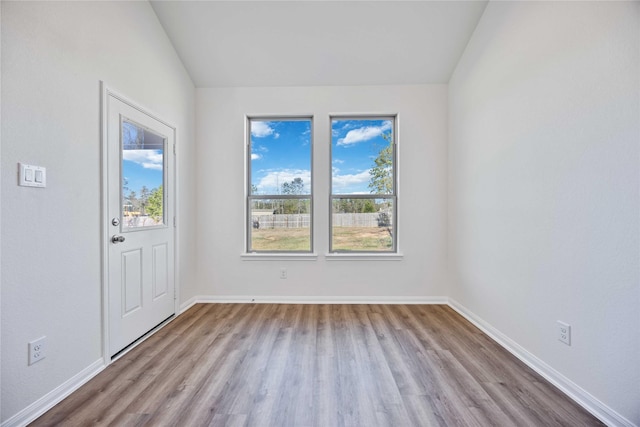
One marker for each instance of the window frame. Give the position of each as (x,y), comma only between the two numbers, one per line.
(249,197)
(354,254)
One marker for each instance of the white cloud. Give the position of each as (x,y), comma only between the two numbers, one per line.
(255,156)
(338,161)
(364,134)
(336,131)
(350,181)
(272,182)
(148,159)
(262,129)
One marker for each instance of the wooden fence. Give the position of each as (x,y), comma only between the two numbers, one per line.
(281,221)
(375,219)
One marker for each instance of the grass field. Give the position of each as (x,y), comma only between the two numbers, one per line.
(361,239)
(344,239)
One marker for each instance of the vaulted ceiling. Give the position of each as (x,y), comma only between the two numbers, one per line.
(317,43)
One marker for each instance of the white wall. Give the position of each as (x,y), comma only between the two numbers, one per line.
(54,55)
(422,112)
(543,171)
(0,208)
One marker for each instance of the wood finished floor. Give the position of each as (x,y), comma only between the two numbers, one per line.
(318,365)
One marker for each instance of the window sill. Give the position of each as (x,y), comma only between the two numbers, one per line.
(364,257)
(279,256)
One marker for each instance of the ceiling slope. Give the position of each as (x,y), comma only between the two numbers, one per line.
(318,43)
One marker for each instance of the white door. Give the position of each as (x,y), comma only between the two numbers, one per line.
(140,212)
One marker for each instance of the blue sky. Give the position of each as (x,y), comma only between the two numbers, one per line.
(139,173)
(281,151)
(354,146)
(142,158)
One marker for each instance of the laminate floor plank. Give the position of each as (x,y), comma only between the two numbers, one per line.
(124,380)
(401,364)
(520,414)
(175,377)
(325,387)
(386,396)
(182,384)
(319,365)
(425,370)
(353,385)
(215,390)
(255,364)
(271,393)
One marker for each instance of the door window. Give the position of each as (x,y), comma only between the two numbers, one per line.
(142,179)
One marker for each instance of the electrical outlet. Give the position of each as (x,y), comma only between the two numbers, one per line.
(283,273)
(37,350)
(564,332)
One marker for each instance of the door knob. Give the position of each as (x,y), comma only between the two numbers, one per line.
(117,239)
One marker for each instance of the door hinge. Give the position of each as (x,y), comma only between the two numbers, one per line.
(174,149)
(175,222)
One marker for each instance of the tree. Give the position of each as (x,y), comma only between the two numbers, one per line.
(295,187)
(369,206)
(381,181)
(155,204)
(144,198)
(132,136)
(132,201)
(354,206)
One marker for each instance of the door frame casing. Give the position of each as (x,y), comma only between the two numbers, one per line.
(106,92)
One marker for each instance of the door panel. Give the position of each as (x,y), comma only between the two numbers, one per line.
(131,281)
(160,276)
(140,187)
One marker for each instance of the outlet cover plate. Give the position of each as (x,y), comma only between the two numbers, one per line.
(564,332)
(37,350)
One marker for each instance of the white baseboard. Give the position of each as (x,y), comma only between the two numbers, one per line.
(187,305)
(568,387)
(48,401)
(311,300)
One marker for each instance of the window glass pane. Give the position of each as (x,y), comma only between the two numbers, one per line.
(280,157)
(363,163)
(279,201)
(362,156)
(142,177)
(280,224)
(362,225)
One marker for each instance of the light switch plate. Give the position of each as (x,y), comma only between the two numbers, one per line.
(32,176)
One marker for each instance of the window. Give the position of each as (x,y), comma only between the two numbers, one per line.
(279,201)
(363,184)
